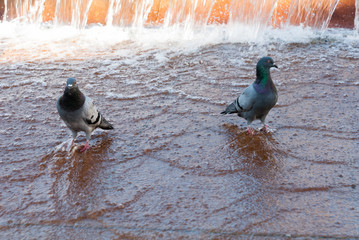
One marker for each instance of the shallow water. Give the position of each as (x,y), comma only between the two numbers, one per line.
(173,167)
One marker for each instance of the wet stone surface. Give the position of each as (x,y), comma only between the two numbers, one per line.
(173,167)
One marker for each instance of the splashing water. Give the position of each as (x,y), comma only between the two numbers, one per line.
(43,29)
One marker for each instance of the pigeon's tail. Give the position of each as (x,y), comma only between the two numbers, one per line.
(230,109)
(105,125)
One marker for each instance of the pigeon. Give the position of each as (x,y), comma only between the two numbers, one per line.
(79,112)
(257,99)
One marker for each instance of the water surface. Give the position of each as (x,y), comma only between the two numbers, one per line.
(173,167)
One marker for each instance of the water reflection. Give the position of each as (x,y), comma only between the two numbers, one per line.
(259,155)
(77,179)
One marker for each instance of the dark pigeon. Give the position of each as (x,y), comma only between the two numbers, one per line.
(79,112)
(257,99)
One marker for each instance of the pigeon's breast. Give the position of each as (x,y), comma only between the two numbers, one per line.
(74,120)
(271,99)
(265,102)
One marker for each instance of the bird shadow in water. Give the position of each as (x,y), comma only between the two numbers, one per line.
(259,155)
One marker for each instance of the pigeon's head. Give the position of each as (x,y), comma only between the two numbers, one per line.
(71,83)
(266,62)
(71,86)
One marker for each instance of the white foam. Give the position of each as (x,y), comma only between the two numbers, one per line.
(25,41)
(120,96)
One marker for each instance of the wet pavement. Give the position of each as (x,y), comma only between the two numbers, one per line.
(173,167)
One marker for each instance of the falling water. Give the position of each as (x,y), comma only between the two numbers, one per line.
(79,13)
(356,20)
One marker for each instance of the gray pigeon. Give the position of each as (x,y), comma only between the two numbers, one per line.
(257,99)
(79,112)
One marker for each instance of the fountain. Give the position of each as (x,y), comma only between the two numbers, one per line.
(161,71)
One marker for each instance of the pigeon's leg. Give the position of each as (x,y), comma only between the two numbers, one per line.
(250,129)
(74,135)
(265,127)
(87,146)
(71,144)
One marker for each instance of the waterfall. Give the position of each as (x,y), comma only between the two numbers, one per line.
(141,13)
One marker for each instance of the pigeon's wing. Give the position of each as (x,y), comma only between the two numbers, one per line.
(90,114)
(59,108)
(246,100)
(93,117)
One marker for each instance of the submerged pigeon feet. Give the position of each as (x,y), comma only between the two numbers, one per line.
(251,131)
(266,129)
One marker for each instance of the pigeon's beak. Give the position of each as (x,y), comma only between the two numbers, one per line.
(69,85)
(275,66)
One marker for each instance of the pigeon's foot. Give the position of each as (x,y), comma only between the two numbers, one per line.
(87,146)
(266,129)
(251,131)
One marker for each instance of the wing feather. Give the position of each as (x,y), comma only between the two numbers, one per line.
(246,100)
(90,113)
